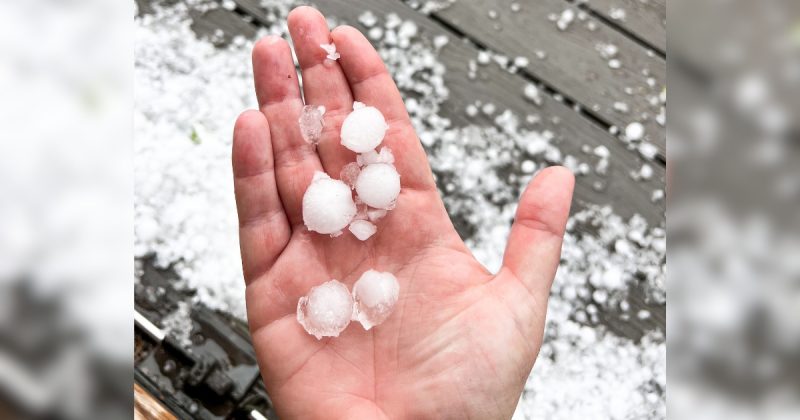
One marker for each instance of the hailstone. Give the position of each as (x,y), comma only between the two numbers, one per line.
(330,49)
(311,123)
(362,229)
(370,157)
(378,185)
(328,205)
(327,309)
(375,295)
(363,129)
(349,174)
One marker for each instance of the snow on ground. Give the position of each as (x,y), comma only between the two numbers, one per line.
(188,94)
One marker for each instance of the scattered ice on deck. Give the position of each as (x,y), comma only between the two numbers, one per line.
(607,50)
(564,20)
(368,19)
(311,123)
(362,229)
(617,13)
(331,50)
(328,205)
(634,131)
(327,309)
(375,295)
(648,150)
(378,185)
(532,94)
(363,129)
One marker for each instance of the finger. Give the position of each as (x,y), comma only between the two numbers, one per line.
(534,245)
(263,227)
(279,99)
(371,84)
(324,83)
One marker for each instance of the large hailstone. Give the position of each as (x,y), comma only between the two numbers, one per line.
(328,205)
(378,185)
(375,295)
(327,309)
(363,129)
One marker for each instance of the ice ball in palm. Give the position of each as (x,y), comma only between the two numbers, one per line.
(362,229)
(328,205)
(375,295)
(378,185)
(363,129)
(327,309)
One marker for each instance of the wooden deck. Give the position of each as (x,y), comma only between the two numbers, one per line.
(573,69)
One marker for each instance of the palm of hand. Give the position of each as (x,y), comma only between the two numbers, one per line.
(460,341)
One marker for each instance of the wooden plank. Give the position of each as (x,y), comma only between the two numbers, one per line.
(495,85)
(646,19)
(220,25)
(573,65)
(147,407)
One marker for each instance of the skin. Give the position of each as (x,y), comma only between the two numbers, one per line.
(461,340)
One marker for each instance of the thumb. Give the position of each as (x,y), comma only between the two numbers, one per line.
(534,245)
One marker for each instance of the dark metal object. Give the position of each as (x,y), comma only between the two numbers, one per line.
(214,375)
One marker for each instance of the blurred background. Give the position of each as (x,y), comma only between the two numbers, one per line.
(497,91)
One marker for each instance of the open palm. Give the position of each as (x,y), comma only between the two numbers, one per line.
(461,341)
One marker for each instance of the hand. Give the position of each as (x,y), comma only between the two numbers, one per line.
(461,341)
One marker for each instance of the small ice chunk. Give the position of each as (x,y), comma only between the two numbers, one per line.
(634,131)
(484,57)
(566,17)
(375,295)
(362,229)
(614,63)
(363,129)
(532,94)
(349,174)
(327,309)
(376,214)
(648,151)
(528,166)
(331,50)
(440,41)
(328,205)
(368,19)
(378,185)
(621,107)
(370,157)
(311,123)
(521,61)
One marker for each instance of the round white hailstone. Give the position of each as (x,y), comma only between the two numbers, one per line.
(362,229)
(327,309)
(378,185)
(363,129)
(634,131)
(375,295)
(328,205)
